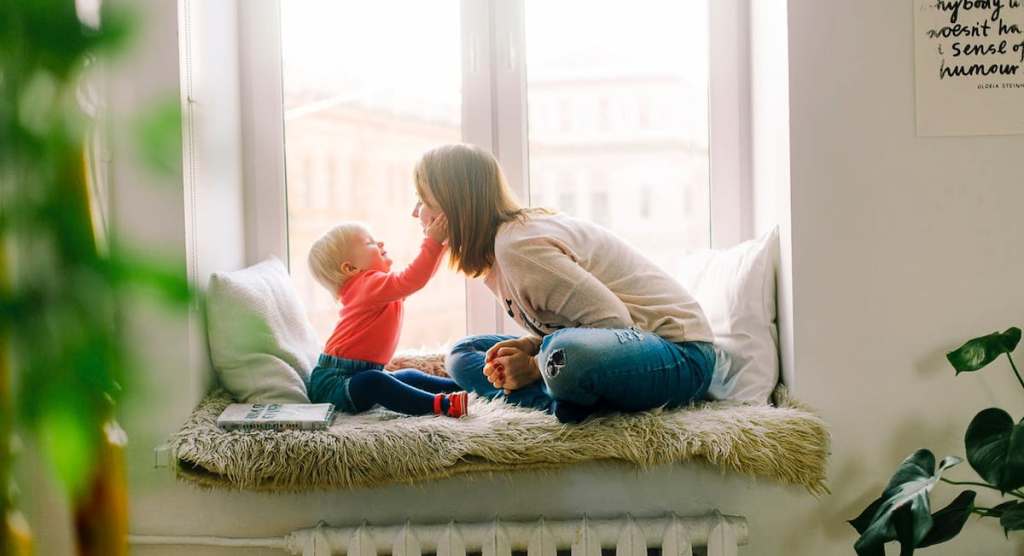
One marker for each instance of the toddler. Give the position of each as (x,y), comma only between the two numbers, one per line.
(355,268)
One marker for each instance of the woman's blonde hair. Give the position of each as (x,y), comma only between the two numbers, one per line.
(332,249)
(470,189)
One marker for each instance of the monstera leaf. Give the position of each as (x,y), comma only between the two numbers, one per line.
(1012,517)
(903,511)
(947,522)
(979,352)
(995,448)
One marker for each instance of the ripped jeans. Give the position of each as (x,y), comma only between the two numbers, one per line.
(594,370)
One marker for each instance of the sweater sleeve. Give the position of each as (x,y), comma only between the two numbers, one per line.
(550,280)
(385,287)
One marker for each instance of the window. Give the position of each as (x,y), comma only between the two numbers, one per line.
(567,201)
(645,201)
(369,91)
(616,124)
(600,211)
(659,51)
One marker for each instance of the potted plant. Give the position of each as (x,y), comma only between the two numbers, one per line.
(994,445)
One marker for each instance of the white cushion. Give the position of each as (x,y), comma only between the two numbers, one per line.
(262,345)
(736,289)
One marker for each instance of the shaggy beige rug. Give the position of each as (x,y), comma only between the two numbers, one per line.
(787,443)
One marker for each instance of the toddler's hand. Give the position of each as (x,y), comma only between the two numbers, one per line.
(438,229)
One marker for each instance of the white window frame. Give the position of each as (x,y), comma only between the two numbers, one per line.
(729,117)
(494,84)
(262,114)
(483,314)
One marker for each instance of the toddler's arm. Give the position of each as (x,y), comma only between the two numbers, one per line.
(392,286)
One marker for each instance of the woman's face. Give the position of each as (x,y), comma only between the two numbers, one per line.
(426,209)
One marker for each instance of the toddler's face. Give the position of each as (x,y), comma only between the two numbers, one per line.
(369,254)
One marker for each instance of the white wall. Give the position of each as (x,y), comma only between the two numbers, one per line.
(202,216)
(903,247)
(159,214)
(148,212)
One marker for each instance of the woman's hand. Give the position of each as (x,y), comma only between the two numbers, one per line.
(510,364)
(438,229)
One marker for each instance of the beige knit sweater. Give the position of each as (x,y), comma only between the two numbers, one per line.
(556,271)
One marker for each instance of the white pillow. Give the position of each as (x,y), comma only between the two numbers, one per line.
(263,347)
(736,289)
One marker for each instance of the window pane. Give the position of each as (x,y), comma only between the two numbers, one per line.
(618,118)
(366,93)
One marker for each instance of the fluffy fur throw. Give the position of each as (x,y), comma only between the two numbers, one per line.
(428,362)
(787,443)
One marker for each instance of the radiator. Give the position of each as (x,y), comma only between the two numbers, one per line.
(670,535)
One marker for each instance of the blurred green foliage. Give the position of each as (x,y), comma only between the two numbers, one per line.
(159,136)
(60,290)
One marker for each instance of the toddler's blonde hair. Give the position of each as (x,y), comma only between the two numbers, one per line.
(332,249)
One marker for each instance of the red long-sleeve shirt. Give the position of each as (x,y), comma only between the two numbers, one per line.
(371,307)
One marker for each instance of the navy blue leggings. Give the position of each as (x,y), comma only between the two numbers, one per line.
(407,391)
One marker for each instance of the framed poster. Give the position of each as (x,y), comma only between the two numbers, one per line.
(969,67)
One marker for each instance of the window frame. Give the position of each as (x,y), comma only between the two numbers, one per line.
(494,117)
(261,99)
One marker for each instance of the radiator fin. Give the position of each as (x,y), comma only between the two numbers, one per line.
(631,540)
(676,541)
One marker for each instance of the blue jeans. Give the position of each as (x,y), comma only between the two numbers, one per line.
(354,386)
(593,370)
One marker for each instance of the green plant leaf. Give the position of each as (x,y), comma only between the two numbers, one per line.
(907,492)
(979,352)
(904,522)
(161,276)
(862,521)
(119,24)
(998,510)
(69,440)
(995,448)
(947,522)
(1012,518)
(159,137)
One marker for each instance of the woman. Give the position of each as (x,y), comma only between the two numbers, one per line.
(609,330)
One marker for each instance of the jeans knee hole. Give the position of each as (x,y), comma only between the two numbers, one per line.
(555,363)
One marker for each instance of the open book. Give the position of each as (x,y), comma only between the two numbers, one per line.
(276,416)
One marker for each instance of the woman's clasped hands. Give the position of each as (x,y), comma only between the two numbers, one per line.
(510,364)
